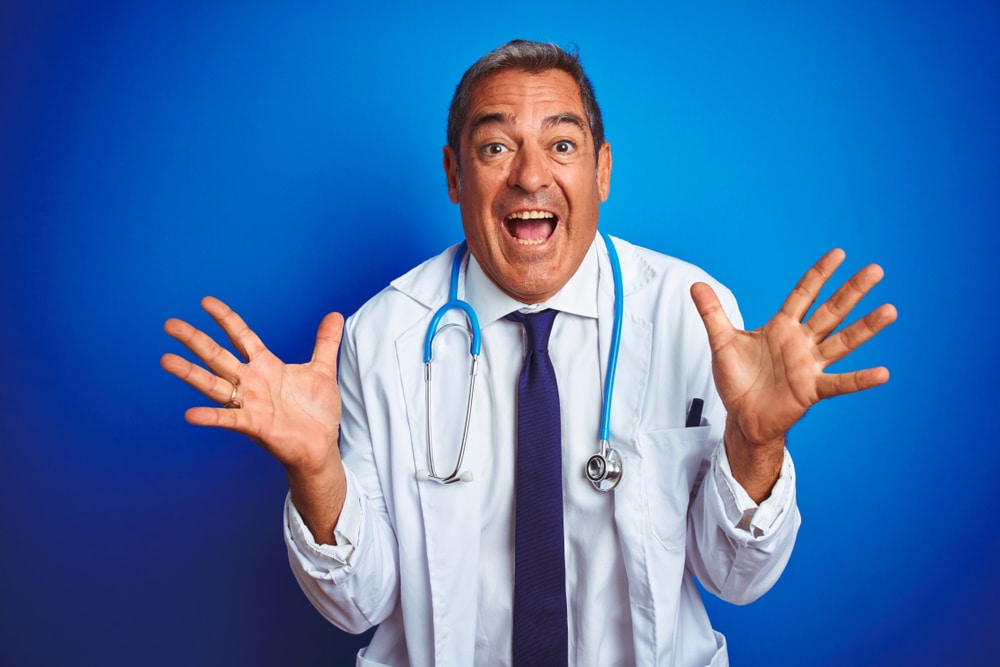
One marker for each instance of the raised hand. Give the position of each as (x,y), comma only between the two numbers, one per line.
(770,377)
(291,410)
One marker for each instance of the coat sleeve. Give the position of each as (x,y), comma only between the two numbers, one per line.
(738,555)
(738,549)
(354,583)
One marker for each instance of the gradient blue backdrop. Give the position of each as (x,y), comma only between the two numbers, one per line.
(286,158)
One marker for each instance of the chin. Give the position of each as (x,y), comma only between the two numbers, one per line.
(528,288)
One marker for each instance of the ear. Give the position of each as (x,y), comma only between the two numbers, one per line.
(451,174)
(604,171)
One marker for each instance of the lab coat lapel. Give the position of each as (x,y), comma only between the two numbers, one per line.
(450,513)
(631,381)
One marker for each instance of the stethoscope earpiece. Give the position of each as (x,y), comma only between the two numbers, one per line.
(425,475)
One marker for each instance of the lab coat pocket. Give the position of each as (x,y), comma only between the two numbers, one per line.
(673,460)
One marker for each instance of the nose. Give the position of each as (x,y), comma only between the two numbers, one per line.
(529,170)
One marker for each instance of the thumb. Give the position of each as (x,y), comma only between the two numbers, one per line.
(328,337)
(716,322)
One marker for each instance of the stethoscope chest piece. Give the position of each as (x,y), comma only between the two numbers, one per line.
(604,470)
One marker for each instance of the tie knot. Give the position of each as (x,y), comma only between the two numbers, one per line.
(537,327)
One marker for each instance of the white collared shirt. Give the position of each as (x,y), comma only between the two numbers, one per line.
(600,627)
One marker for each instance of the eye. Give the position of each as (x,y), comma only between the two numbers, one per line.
(564,147)
(493,149)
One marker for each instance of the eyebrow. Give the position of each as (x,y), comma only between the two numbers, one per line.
(508,119)
(564,118)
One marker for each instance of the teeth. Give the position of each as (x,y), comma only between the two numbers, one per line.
(534,228)
(531,215)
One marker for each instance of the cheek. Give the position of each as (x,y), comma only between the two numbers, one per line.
(477,232)
(478,216)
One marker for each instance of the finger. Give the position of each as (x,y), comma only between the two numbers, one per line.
(850,338)
(240,335)
(234,420)
(209,384)
(801,299)
(838,384)
(220,360)
(328,337)
(720,329)
(833,311)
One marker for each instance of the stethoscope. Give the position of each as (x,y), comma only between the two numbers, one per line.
(603,469)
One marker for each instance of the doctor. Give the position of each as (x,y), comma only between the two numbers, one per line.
(372,541)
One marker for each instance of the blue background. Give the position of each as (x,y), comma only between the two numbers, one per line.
(286,158)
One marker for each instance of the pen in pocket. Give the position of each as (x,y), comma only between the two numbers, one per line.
(694,413)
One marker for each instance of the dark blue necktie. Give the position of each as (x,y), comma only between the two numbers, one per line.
(540,635)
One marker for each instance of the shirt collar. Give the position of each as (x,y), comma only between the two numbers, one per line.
(577,297)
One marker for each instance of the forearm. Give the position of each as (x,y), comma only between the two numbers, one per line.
(755,465)
(319,495)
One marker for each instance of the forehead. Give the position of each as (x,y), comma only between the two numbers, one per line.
(525,97)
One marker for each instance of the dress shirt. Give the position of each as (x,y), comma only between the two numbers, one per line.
(600,629)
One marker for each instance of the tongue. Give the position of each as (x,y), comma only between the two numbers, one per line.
(532,230)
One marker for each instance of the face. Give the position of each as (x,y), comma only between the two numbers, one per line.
(528,180)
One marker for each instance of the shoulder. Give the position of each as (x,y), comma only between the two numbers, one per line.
(405,300)
(662,277)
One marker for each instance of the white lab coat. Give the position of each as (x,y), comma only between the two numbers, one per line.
(415,563)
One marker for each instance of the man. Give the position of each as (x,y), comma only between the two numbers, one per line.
(374,540)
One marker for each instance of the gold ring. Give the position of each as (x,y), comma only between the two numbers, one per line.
(233,403)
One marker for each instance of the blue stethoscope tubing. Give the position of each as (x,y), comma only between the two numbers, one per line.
(453,303)
(604,468)
(616,339)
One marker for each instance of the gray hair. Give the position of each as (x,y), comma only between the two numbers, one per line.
(531,57)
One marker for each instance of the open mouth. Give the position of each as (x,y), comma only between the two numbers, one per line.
(531,227)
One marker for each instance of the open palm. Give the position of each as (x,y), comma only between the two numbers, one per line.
(291,410)
(768,378)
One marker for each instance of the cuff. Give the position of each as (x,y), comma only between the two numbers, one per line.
(345,533)
(742,511)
